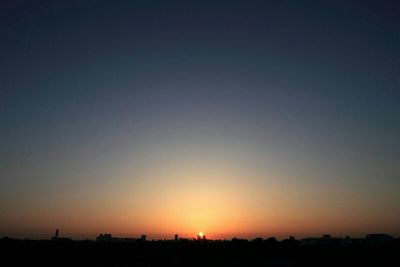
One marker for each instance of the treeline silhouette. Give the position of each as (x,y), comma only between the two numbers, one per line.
(375,250)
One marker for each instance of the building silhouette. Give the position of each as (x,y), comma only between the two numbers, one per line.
(57,238)
(201,236)
(378,238)
(56,234)
(104,237)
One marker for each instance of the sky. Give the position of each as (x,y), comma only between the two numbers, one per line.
(233,118)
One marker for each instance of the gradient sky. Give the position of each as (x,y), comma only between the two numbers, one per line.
(234,118)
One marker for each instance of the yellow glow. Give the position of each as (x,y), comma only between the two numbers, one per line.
(185,192)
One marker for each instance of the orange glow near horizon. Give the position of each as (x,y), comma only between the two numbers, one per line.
(187,193)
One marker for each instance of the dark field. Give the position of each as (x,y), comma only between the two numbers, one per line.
(198,253)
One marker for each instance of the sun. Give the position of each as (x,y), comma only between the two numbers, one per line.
(200,235)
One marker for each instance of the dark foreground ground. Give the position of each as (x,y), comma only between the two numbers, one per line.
(196,253)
